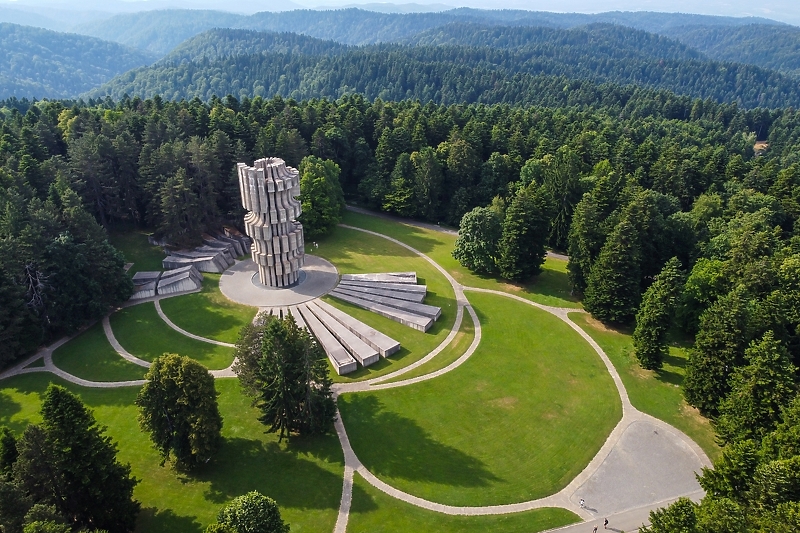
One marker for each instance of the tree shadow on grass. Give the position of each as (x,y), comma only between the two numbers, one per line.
(153,520)
(9,408)
(277,471)
(394,446)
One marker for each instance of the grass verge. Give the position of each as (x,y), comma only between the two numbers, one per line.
(517,421)
(551,287)
(90,356)
(141,331)
(372,511)
(656,393)
(209,313)
(137,250)
(357,252)
(304,476)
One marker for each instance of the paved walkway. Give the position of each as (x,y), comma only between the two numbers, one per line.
(644,463)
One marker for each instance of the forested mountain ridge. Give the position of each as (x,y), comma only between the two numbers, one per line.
(451,74)
(224,43)
(773,47)
(161,31)
(599,38)
(46,64)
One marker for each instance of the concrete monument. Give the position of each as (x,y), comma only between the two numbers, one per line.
(269,193)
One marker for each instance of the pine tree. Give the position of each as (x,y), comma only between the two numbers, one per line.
(759,390)
(525,231)
(613,288)
(655,316)
(286,372)
(178,408)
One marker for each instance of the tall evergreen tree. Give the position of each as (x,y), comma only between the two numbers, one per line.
(286,372)
(525,229)
(613,288)
(655,315)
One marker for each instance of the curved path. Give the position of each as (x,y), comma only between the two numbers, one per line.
(644,462)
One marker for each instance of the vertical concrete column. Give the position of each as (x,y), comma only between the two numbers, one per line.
(269,193)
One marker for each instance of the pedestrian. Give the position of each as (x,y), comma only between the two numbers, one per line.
(594,530)
(605,523)
(583,503)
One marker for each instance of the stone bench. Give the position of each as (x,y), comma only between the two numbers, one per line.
(384,344)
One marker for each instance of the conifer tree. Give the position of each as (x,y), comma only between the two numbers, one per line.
(655,315)
(525,231)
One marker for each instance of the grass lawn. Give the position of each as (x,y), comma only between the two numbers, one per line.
(208,313)
(551,287)
(357,252)
(141,331)
(518,421)
(372,511)
(464,337)
(656,393)
(134,246)
(90,356)
(304,477)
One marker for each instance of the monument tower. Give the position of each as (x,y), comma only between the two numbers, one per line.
(269,193)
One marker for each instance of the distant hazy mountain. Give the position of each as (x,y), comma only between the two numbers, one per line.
(45,64)
(775,47)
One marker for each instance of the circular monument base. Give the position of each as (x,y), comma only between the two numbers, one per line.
(241,284)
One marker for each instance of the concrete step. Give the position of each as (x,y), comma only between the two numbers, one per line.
(402,287)
(384,344)
(409,307)
(418,322)
(341,360)
(360,350)
(416,297)
(388,277)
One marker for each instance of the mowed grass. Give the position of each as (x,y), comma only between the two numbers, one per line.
(656,393)
(457,348)
(303,476)
(208,313)
(141,331)
(90,356)
(372,511)
(551,287)
(137,250)
(517,421)
(356,252)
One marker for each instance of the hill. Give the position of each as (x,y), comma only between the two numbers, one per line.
(769,46)
(455,74)
(161,31)
(47,64)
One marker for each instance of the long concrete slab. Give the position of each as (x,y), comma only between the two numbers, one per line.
(409,307)
(418,322)
(384,344)
(390,277)
(341,360)
(298,317)
(416,297)
(360,350)
(402,287)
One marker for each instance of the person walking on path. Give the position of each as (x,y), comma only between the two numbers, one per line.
(594,530)
(583,503)
(605,523)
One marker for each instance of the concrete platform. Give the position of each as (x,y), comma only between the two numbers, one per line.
(415,297)
(397,287)
(298,318)
(388,277)
(342,361)
(384,344)
(360,350)
(418,322)
(237,284)
(409,307)
(180,280)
